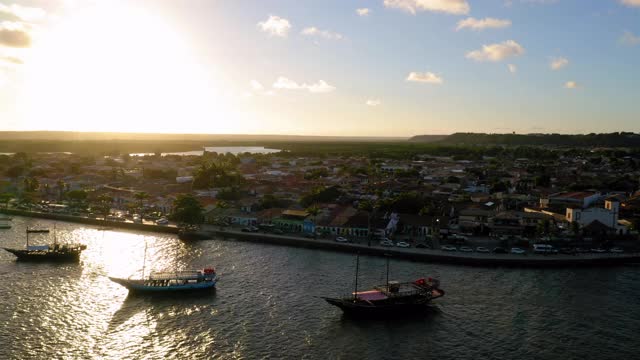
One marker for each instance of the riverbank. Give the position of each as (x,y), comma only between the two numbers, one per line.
(413,254)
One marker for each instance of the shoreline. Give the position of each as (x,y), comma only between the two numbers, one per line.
(412,254)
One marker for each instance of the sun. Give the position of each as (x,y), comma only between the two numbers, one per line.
(115,67)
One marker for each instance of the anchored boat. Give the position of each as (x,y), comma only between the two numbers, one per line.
(393,298)
(52,252)
(172,282)
(177,281)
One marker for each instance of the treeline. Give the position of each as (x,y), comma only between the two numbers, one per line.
(615,139)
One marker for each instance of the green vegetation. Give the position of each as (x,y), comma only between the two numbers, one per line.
(187,210)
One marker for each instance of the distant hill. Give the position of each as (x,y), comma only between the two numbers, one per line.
(427,138)
(616,139)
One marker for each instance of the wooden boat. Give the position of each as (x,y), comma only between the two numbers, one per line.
(393,298)
(171,282)
(178,281)
(51,253)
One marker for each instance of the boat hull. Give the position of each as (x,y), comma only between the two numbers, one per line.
(45,256)
(141,287)
(395,309)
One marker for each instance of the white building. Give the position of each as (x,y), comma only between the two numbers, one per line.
(607,215)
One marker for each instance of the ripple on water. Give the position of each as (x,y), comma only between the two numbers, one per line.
(267,306)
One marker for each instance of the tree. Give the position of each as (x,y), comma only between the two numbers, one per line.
(313,211)
(141,197)
(5,198)
(104,205)
(187,209)
(77,196)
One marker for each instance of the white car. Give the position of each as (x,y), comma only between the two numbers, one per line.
(448,248)
(403,244)
(386,243)
(616,250)
(162,221)
(518,251)
(466,249)
(598,250)
(482,249)
(341,239)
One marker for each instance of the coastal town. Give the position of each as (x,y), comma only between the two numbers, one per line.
(575,200)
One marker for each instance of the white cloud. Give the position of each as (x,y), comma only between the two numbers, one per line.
(363,11)
(24,13)
(314,31)
(319,87)
(496,52)
(275,26)
(635,3)
(255,85)
(481,24)
(373,102)
(512,68)
(628,38)
(458,7)
(14,34)
(558,63)
(571,85)
(427,77)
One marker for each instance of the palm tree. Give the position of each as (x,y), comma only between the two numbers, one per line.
(314,210)
(105,204)
(61,185)
(140,196)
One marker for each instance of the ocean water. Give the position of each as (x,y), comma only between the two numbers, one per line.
(267,305)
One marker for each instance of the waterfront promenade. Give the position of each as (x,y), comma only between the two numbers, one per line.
(414,254)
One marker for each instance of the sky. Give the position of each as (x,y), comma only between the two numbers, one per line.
(310,67)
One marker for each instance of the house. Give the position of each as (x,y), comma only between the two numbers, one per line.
(294,221)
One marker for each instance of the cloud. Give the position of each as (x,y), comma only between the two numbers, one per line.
(457,7)
(496,52)
(24,13)
(255,85)
(363,11)
(632,3)
(319,87)
(628,38)
(481,24)
(275,26)
(314,31)
(571,85)
(373,102)
(558,63)
(14,35)
(427,77)
(512,68)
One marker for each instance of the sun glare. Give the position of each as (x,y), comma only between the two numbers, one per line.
(118,68)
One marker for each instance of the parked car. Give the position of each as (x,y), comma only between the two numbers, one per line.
(544,249)
(616,250)
(162,221)
(482,249)
(568,251)
(518,251)
(403,244)
(448,248)
(249,229)
(277,231)
(341,239)
(598,250)
(466,249)
(423,246)
(499,250)
(386,243)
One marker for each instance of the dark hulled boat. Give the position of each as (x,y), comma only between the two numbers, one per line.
(48,253)
(393,298)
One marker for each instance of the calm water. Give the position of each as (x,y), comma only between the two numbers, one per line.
(266,306)
(235,150)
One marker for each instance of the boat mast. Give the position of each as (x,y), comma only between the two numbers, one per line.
(144,258)
(355,293)
(55,237)
(27,238)
(387,273)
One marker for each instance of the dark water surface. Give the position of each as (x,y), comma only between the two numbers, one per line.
(266,306)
